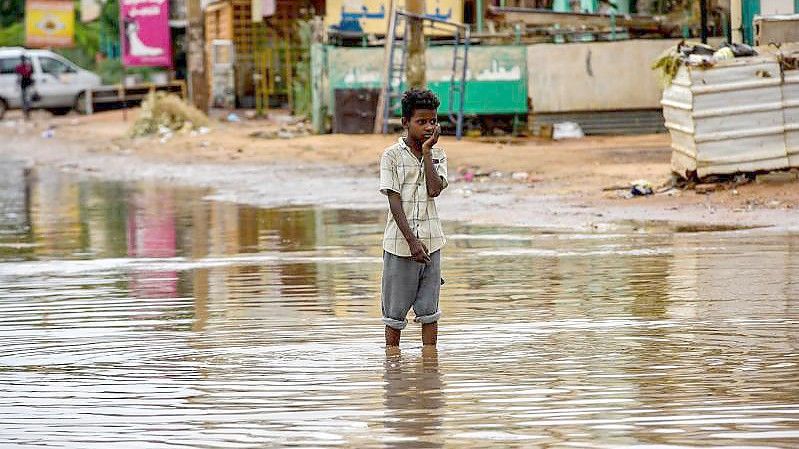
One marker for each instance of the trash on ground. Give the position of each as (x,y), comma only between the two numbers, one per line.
(672,191)
(169,111)
(567,130)
(641,187)
(233,117)
(465,192)
(520,176)
(777,177)
(687,53)
(48,133)
(705,188)
(299,128)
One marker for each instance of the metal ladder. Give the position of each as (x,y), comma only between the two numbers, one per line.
(458,86)
(397,59)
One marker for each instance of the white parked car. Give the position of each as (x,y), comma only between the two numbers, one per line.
(60,83)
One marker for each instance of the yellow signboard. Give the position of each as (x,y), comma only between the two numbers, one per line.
(49,23)
(371,16)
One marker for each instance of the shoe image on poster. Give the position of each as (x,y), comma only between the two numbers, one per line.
(135,45)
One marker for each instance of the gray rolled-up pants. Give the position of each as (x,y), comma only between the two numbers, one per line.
(406,284)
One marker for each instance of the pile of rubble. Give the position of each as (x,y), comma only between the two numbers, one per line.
(162,113)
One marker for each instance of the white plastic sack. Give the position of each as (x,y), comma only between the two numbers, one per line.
(567,130)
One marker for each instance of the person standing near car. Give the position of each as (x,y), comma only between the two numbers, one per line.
(24,71)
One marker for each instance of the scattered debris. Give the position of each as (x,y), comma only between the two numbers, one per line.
(567,130)
(763,74)
(201,131)
(723,54)
(673,191)
(520,176)
(705,188)
(741,179)
(49,133)
(233,117)
(669,62)
(777,177)
(641,187)
(162,110)
(290,130)
(465,192)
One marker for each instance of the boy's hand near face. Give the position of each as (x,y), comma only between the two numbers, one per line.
(432,140)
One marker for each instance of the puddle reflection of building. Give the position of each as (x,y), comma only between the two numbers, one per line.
(754,278)
(414,400)
(55,213)
(14,196)
(152,234)
(283,287)
(105,217)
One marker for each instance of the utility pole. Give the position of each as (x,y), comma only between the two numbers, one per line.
(703,20)
(415,71)
(195,57)
(736,21)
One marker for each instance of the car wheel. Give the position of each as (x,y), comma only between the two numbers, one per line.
(80,104)
(59,111)
(3,108)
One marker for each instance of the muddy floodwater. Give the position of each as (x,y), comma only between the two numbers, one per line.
(138,315)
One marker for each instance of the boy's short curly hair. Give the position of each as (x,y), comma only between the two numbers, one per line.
(414,99)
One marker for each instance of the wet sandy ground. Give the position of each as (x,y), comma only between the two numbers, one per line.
(563,187)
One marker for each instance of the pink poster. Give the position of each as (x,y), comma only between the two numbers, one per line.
(144,33)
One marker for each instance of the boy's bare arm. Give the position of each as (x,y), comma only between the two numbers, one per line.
(434,183)
(418,250)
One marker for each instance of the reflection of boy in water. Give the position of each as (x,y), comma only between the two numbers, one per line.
(412,174)
(414,399)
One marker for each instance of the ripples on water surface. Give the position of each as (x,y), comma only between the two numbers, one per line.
(142,316)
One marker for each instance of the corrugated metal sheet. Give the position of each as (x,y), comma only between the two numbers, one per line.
(355,110)
(643,121)
(728,118)
(790,102)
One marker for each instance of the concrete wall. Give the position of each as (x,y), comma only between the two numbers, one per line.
(768,7)
(495,80)
(595,76)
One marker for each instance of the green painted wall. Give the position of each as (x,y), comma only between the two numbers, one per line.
(496,79)
(750,8)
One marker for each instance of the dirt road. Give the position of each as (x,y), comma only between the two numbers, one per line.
(525,182)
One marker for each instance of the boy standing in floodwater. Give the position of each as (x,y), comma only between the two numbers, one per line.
(412,174)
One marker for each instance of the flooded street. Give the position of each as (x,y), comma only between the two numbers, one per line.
(141,315)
